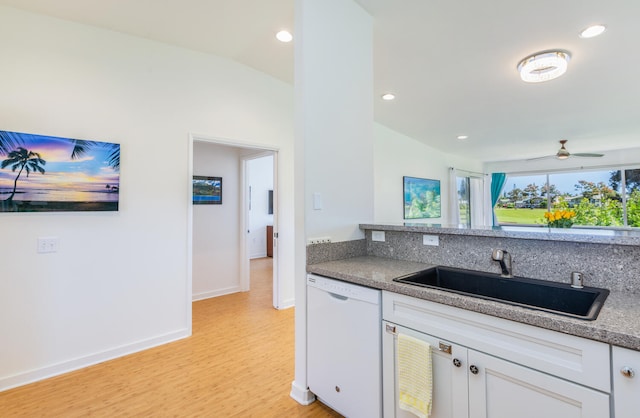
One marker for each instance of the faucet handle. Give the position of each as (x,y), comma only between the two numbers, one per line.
(497,255)
(577,279)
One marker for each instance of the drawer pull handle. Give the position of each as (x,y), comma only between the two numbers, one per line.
(627,371)
(457,362)
(474,369)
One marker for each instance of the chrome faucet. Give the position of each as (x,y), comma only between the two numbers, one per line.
(499,256)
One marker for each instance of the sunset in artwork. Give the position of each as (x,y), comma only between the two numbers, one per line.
(44,173)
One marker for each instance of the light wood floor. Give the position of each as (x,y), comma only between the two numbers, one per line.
(239,362)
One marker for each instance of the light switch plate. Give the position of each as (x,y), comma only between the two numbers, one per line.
(317,201)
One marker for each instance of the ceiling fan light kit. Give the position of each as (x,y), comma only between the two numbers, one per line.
(563,153)
(544,66)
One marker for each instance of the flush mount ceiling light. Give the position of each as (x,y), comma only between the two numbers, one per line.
(543,66)
(284,36)
(388,96)
(463,137)
(593,31)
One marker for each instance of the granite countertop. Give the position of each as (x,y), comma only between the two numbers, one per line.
(618,322)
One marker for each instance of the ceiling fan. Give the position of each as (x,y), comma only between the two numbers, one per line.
(563,154)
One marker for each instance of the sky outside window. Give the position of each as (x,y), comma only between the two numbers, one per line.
(564,182)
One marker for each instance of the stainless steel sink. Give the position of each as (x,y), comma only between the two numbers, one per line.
(558,298)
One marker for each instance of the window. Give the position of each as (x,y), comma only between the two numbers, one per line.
(470,199)
(603,198)
(464,200)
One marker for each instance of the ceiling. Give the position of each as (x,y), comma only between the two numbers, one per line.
(451,63)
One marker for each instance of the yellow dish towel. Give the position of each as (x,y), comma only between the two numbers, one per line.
(415,377)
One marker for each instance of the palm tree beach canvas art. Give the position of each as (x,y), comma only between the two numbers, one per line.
(44,173)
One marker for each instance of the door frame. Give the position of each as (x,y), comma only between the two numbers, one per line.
(244,253)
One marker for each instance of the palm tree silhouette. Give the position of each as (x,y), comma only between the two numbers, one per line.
(25,160)
(9,141)
(81,147)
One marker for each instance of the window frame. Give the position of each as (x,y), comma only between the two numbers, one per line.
(623,190)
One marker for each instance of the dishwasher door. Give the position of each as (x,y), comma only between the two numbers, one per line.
(344,346)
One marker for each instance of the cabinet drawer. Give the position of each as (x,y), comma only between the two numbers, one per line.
(569,357)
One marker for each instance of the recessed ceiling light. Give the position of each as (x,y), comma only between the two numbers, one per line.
(388,96)
(593,31)
(284,36)
(463,137)
(543,66)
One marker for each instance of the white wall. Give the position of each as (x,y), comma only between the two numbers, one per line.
(119,282)
(334,137)
(397,155)
(336,74)
(216,228)
(260,176)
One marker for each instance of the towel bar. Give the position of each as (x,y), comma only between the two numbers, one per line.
(445,348)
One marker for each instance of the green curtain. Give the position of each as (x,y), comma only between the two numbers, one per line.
(497,184)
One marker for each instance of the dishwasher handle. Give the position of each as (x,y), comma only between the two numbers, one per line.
(337,296)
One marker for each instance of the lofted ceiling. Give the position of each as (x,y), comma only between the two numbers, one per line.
(451,63)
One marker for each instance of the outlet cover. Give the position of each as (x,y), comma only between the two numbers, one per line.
(321,240)
(377,236)
(47,245)
(433,240)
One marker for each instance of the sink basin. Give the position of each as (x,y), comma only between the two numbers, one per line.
(558,298)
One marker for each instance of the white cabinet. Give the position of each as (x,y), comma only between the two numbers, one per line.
(501,389)
(450,393)
(626,382)
(507,369)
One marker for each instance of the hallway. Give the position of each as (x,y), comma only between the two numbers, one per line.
(239,362)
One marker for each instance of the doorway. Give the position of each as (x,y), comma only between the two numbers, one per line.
(260,213)
(219,253)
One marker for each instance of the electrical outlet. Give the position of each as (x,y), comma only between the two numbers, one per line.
(431,240)
(377,236)
(323,240)
(47,245)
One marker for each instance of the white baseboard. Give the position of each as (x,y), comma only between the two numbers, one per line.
(301,395)
(286,304)
(258,255)
(215,293)
(31,376)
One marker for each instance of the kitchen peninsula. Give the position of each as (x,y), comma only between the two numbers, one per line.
(608,259)
(484,349)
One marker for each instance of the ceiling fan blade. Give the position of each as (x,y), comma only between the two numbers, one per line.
(541,158)
(586,154)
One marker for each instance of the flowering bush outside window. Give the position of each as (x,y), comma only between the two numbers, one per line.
(560,218)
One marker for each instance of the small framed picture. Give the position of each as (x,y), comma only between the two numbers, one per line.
(421,198)
(207,190)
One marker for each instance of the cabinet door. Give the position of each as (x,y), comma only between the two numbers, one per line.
(450,396)
(626,382)
(501,389)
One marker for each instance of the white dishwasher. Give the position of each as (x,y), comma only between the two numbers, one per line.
(344,328)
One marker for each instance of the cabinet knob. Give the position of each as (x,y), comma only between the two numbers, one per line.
(474,369)
(457,362)
(338,389)
(627,371)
